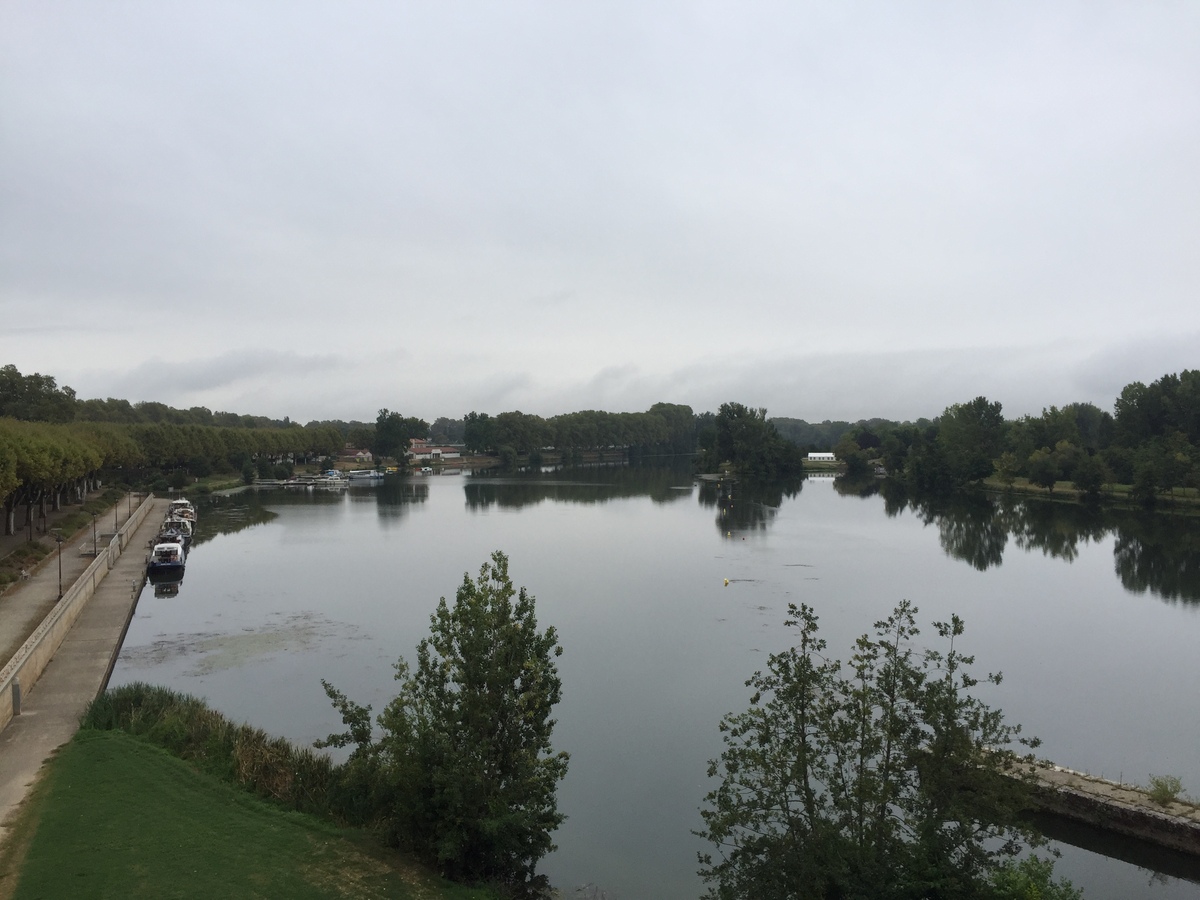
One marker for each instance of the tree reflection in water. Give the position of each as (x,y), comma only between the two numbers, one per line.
(746,506)
(1153,552)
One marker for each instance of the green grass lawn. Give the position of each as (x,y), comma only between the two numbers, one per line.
(117,817)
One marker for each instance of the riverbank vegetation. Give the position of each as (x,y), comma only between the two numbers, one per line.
(886,779)
(463,773)
(459,773)
(115,816)
(54,447)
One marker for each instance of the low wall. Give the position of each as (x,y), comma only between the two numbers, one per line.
(1117,808)
(35,654)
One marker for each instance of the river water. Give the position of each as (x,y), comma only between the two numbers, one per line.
(1092,617)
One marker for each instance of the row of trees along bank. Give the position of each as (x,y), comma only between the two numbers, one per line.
(43,463)
(1152,442)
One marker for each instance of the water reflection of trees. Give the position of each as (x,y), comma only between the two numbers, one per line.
(229,515)
(1152,552)
(395,497)
(746,506)
(1155,554)
(599,484)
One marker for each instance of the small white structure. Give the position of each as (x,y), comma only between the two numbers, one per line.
(822,457)
(422,450)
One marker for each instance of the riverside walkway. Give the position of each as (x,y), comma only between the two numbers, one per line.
(57,654)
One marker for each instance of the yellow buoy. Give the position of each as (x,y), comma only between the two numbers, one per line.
(726,582)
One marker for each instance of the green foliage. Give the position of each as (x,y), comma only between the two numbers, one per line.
(1165,789)
(463,773)
(1031,878)
(854,457)
(1091,474)
(887,780)
(970,436)
(1043,469)
(117,817)
(394,433)
(751,445)
(239,754)
(1006,468)
(34,397)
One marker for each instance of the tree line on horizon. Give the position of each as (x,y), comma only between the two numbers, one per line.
(53,444)
(1151,442)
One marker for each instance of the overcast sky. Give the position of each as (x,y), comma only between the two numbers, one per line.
(833,210)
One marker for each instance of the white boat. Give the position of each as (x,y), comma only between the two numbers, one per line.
(166,561)
(358,475)
(181,508)
(178,529)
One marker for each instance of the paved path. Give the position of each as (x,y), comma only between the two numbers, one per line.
(24,604)
(51,709)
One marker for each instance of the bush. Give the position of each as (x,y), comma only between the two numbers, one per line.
(267,766)
(892,780)
(464,774)
(1165,789)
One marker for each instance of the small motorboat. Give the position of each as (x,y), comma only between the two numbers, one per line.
(166,562)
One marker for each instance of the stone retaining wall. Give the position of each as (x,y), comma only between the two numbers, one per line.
(21,672)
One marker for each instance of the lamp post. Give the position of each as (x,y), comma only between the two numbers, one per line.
(59,540)
(95,551)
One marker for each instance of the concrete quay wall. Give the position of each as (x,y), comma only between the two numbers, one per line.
(1118,808)
(21,672)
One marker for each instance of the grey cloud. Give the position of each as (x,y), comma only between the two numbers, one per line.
(162,379)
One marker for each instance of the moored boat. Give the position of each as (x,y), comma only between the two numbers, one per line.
(175,529)
(166,561)
(181,508)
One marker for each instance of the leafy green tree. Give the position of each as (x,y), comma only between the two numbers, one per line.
(970,436)
(888,780)
(35,398)
(478,432)
(1043,469)
(751,445)
(464,773)
(1031,878)
(1006,468)
(394,432)
(1091,474)
(853,456)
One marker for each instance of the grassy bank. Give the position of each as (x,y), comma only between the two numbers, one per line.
(117,817)
(1180,499)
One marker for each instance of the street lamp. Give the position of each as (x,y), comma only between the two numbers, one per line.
(95,552)
(59,540)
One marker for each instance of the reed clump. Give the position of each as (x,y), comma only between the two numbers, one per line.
(267,766)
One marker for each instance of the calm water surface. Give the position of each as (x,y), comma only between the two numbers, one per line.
(1093,619)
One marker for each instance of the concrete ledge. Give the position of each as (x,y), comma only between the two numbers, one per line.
(1118,808)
